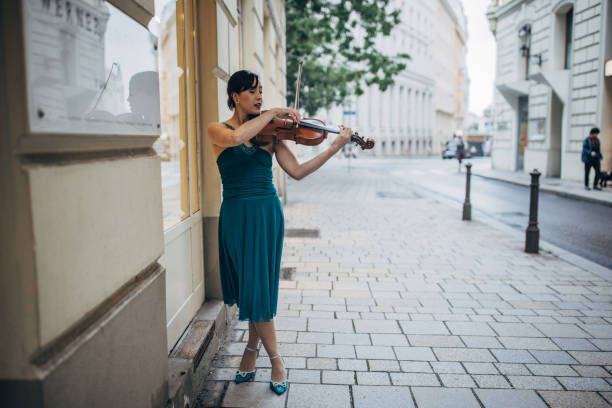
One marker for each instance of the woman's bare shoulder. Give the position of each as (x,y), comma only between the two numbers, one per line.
(216,127)
(217,132)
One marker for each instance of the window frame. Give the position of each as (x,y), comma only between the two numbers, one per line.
(188,106)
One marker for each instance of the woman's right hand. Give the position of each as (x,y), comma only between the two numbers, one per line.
(286,113)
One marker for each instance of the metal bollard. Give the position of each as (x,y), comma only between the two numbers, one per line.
(467,207)
(532,234)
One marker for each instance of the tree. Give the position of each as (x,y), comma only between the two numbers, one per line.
(336,41)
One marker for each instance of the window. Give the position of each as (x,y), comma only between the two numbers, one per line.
(569,23)
(83,76)
(177,146)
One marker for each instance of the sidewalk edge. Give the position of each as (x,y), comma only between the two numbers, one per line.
(564,194)
(576,260)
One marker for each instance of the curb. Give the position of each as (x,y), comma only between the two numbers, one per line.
(576,260)
(191,360)
(549,190)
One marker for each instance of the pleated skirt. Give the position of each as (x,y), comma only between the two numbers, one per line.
(251,232)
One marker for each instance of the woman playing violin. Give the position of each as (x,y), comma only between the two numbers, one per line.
(251,222)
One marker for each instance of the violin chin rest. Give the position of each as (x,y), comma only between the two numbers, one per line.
(256,143)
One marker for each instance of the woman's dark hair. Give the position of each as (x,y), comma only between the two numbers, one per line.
(240,81)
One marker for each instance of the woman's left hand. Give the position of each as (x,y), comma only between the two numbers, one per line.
(343,137)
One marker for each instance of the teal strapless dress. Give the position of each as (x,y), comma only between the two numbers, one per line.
(251,232)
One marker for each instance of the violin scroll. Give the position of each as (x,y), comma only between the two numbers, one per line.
(364,144)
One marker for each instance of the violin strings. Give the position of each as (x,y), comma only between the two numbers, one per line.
(314,126)
(368,143)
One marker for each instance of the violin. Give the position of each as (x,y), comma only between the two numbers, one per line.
(309,132)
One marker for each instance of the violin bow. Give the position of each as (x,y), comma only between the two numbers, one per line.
(296,105)
(365,144)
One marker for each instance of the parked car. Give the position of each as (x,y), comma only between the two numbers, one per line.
(448,153)
(449,150)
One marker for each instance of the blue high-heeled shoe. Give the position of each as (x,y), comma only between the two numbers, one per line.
(244,376)
(279,386)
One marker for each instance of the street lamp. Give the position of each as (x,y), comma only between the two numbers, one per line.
(525,37)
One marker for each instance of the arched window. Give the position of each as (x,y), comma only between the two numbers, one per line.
(562,38)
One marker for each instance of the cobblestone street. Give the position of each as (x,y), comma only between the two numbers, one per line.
(399,303)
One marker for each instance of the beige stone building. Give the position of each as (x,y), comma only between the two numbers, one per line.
(449,70)
(110,291)
(551,85)
(426,104)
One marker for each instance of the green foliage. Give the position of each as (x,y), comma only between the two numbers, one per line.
(322,33)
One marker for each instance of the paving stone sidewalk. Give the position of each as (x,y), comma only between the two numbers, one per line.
(398,303)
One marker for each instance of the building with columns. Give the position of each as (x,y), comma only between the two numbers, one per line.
(427,102)
(400,119)
(551,85)
(110,293)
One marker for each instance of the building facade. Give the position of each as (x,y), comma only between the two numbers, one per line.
(450,71)
(550,86)
(110,288)
(426,103)
(400,119)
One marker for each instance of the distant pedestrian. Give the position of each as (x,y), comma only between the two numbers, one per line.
(460,150)
(591,156)
(486,147)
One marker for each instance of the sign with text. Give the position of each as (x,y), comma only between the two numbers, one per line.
(91,69)
(537,129)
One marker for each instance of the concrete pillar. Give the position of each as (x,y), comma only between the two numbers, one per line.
(417,114)
(379,119)
(429,123)
(385,115)
(423,115)
(409,123)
